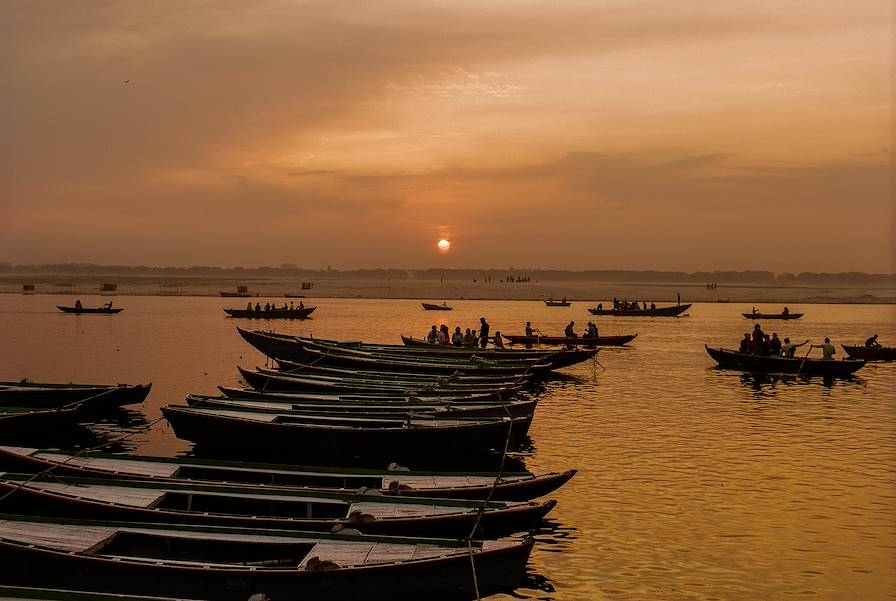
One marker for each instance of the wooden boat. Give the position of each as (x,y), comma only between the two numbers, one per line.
(418,345)
(393,410)
(94,396)
(381,397)
(433,307)
(672,311)
(870,353)
(295,435)
(295,368)
(87,310)
(230,564)
(567,341)
(773,315)
(555,303)
(265,380)
(241,292)
(280,313)
(519,486)
(789,365)
(235,505)
(21,423)
(30,593)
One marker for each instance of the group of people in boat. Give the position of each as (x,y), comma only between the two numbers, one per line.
(468,338)
(78,305)
(628,306)
(570,332)
(785,312)
(268,307)
(758,343)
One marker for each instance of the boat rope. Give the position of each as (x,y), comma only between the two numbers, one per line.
(49,470)
(481,511)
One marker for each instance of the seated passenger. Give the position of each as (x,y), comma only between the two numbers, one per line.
(498,342)
(774,344)
(745,344)
(789,348)
(469,338)
(457,339)
(433,335)
(872,342)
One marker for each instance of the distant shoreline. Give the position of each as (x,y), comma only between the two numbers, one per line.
(438,290)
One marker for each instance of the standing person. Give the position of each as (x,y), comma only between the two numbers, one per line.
(679,298)
(483,332)
(457,339)
(827,349)
(757,347)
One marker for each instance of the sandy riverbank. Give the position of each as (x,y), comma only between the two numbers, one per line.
(436,290)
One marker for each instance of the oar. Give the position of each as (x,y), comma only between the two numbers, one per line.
(811,346)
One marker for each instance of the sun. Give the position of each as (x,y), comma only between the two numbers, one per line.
(444,245)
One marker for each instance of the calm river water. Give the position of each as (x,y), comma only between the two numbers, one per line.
(693,483)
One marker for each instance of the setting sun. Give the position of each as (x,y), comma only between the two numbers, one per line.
(444,245)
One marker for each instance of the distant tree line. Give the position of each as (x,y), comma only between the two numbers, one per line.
(762,278)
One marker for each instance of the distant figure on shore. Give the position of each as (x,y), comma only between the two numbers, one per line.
(433,335)
(78,305)
(745,344)
(872,342)
(827,349)
(789,348)
(483,332)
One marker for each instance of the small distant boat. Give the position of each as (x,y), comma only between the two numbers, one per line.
(433,307)
(870,353)
(27,288)
(782,315)
(108,287)
(672,311)
(241,292)
(294,313)
(79,310)
(732,359)
(557,303)
(570,340)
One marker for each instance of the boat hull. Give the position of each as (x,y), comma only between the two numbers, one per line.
(730,359)
(89,310)
(294,313)
(871,353)
(672,311)
(772,315)
(432,307)
(36,395)
(568,341)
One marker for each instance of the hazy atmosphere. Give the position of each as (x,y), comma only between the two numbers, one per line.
(566,135)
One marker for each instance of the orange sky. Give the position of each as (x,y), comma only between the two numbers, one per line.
(577,135)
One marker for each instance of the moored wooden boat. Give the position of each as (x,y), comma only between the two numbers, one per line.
(230,564)
(30,593)
(235,505)
(336,438)
(520,486)
(279,313)
(94,396)
(434,307)
(88,310)
(557,303)
(18,423)
(671,311)
(296,368)
(772,315)
(790,365)
(870,353)
(381,397)
(568,341)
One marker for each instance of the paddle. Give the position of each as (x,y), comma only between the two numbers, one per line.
(811,346)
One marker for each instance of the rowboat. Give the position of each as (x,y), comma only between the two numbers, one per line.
(230,564)
(871,353)
(559,303)
(433,307)
(381,397)
(732,359)
(772,315)
(85,310)
(95,396)
(289,435)
(30,593)
(557,359)
(235,505)
(21,423)
(570,341)
(265,380)
(280,313)
(518,486)
(391,410)
(657,312)
(295,368)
